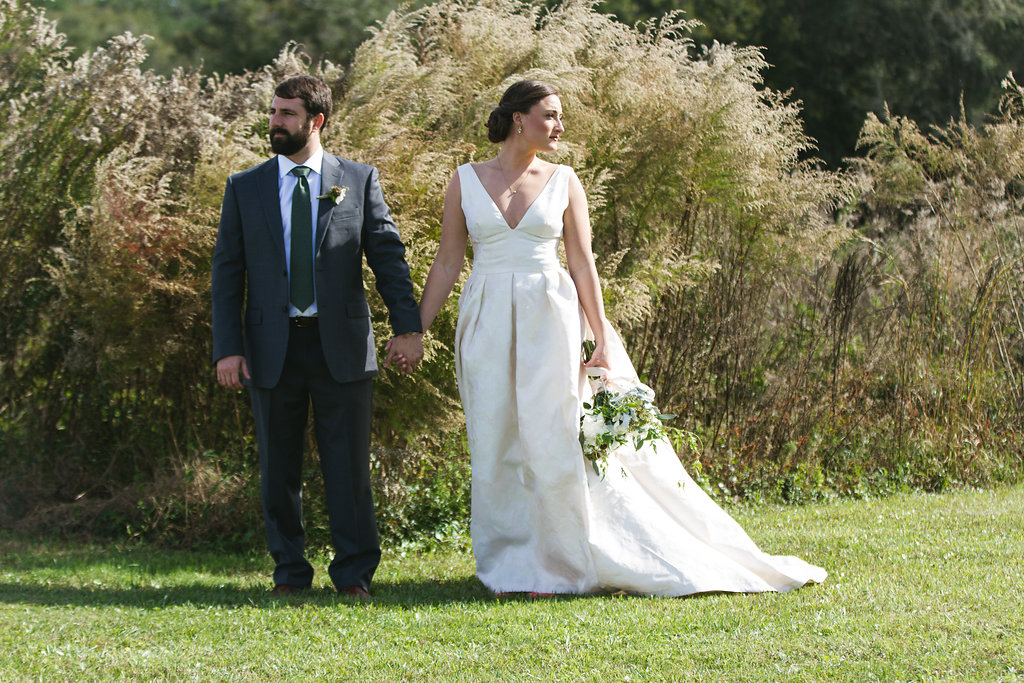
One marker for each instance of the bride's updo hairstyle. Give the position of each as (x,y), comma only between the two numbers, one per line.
(519,97)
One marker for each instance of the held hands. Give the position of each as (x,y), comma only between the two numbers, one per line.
(405,350)
(231,370)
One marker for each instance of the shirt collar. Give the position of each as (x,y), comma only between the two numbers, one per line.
(315,162)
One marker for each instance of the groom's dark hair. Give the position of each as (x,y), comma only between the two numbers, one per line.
(314,93)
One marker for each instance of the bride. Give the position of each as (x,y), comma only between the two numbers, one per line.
(543,521)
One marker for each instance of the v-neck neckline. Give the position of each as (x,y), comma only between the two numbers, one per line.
(497,208)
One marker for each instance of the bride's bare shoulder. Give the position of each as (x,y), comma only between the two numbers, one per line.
(485,166)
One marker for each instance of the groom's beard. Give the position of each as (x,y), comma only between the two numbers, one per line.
(288,143)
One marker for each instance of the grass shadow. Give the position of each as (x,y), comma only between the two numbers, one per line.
(240,595)
(55,574)
(24,555)
(427,592)
(236,595)
(143,597)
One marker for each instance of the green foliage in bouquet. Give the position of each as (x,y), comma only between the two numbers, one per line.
(613,419)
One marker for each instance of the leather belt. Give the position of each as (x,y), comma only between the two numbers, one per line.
(304,321)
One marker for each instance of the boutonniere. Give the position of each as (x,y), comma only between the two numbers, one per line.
(335,194)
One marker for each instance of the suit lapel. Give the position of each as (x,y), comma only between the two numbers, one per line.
(269,197)
(331,175)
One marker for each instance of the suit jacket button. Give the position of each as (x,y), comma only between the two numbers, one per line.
(284,309)
(285,273)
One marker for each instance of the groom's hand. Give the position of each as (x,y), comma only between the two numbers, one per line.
(231,370)
(405,350)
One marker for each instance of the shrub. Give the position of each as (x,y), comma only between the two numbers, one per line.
(820,333)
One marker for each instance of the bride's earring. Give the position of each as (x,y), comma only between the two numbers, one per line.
(519,130)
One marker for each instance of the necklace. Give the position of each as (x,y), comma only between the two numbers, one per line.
(522,176)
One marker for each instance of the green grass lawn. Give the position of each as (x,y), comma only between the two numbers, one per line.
(921,588)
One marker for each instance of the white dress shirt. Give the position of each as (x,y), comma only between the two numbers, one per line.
(285,188)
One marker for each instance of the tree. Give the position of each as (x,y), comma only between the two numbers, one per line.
(225,37)
(845,58)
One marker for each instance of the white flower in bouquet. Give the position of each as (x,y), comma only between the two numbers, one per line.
(591,427)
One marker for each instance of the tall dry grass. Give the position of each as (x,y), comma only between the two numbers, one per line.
(822,333)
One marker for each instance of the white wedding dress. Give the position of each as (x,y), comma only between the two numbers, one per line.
(542,519)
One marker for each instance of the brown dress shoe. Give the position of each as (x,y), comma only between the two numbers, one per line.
(357,592)
(282,589)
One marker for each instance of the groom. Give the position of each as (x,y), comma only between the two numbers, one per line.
(291,322)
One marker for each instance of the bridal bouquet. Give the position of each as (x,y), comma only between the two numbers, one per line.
(612,419)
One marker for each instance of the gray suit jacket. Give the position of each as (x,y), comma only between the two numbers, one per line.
(250,280)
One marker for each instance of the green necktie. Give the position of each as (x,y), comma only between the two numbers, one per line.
(301,280)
